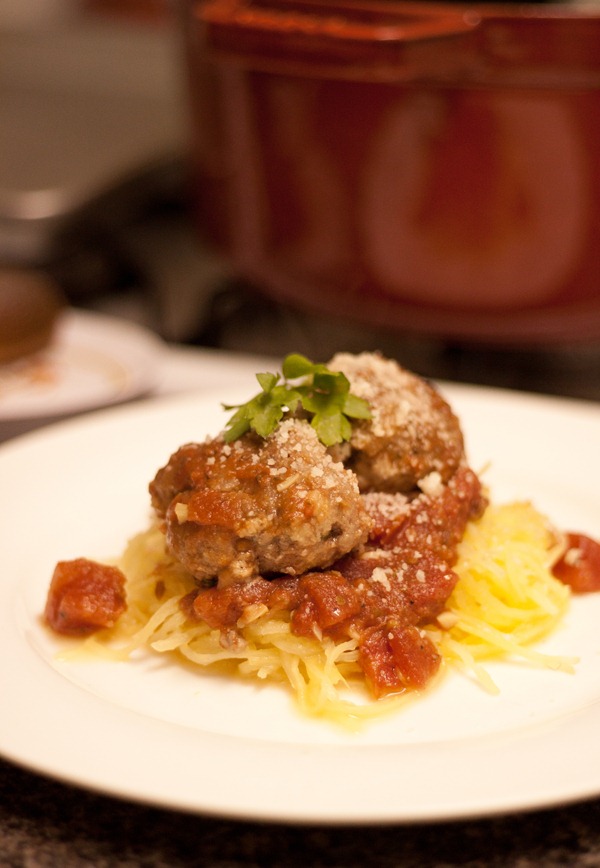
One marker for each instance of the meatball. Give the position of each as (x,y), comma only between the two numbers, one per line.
(413,439)
(259,507)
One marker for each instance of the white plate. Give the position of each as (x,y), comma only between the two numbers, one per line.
(153,731)
(93,361)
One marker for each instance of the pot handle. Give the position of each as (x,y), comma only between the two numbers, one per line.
(348,22)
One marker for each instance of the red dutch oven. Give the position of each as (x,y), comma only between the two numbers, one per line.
(428,168)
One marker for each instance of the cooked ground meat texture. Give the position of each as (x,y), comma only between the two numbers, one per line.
(413,439)
(280,505)
(379,596)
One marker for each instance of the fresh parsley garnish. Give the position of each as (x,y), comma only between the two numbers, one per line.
(323,394)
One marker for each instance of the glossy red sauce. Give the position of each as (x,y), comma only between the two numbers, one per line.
(84,597)
(381,597)
(579,566)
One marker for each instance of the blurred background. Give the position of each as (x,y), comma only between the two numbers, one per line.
(226,188)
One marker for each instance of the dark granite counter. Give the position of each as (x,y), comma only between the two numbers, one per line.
(45,824)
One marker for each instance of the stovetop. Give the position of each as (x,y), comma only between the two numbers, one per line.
(89,105)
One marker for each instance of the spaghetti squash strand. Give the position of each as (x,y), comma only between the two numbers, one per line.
(506,599)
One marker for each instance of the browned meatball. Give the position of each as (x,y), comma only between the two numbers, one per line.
(413,438)
(256,507)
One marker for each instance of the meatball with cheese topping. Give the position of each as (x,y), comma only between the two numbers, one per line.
(279,505)
(413,440)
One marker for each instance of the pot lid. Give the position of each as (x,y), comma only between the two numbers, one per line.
(526,45)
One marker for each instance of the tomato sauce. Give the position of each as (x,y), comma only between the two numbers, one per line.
(382,596)
(84,597)
(579,566)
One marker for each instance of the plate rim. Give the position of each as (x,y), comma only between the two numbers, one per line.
(100,781)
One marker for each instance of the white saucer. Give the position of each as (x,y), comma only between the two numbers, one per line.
(93,361)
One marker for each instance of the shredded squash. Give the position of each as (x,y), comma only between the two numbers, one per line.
(506,599)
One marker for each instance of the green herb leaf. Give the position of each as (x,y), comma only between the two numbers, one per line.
(267,381)
(331,427)
(295,366)
(237,426)
(323,394)
(356,408)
